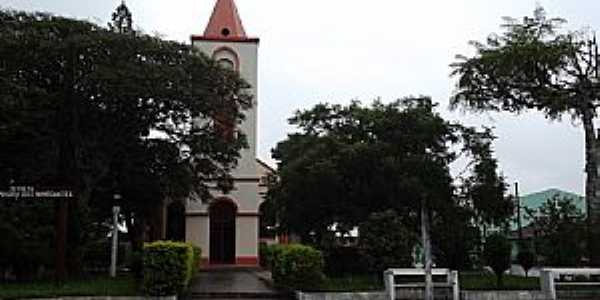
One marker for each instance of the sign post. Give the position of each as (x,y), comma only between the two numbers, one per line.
(115,239)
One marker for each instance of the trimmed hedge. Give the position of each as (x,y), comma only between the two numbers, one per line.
(297,266)
(168,267)
(197,259)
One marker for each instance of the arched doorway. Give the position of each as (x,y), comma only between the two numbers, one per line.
(176,221)
(222,232)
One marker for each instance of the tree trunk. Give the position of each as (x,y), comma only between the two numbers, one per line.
(426,249)
(591,186)
(499,283)
(62,209)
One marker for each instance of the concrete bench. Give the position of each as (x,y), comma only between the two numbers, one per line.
(548,278)
(389,277)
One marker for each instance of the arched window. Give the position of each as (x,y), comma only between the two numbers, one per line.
(226,63)
(227,58)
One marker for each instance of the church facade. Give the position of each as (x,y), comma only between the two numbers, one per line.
(227,228)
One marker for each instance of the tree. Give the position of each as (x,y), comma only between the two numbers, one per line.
(386,242)
(359,160)
(100,112)
(558,224)
(527,259)
(497,255)
(533,65)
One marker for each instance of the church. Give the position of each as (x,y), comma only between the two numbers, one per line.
(227,228)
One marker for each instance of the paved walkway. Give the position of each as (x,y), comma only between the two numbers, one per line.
(232,284)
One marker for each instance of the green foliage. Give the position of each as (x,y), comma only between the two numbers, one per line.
(27,229)
(197,259)
(364,159)
(496,253)
(530,65)
(533,64)
(351,283)
(168,268)
(361,159)
(527,260)
(78,103)
(297,267)
(269,253)
(386,242)
(346,260)
(456,238)
(490,282)
(559,228)
(99,287)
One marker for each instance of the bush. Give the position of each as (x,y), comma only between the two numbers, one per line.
(263,255)
(167,267)
(268,253)
(196,260)
(386,242)
(497,255)
(345,261)
(297,267)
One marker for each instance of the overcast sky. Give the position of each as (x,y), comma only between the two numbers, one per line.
(337,50)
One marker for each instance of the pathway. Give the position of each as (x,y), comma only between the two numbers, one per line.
(232,284)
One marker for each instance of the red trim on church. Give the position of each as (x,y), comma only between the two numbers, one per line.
(229,39)
(239,261)
(246,260)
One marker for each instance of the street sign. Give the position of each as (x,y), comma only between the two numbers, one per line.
(18,192)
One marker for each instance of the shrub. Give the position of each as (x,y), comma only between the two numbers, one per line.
(268,254)
(167,267)
(196,260)
(386,242)
(263,255)
(341,260)
(297,267)
(497,255)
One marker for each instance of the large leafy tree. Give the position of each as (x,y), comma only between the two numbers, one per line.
(98,112)
(347,162)
(532,64)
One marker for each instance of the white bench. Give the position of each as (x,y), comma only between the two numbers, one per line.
(391,285)
(548,278)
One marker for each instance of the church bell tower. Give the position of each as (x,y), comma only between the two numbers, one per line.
(227,228)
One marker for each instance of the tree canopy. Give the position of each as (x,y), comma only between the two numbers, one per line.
(98,112)
(358,160)
(77,97)
(534,64)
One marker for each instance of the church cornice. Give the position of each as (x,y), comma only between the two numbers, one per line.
(225,40)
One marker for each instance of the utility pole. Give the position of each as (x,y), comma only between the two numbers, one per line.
(520,226)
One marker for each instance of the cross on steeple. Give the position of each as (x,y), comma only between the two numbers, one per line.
(122,21)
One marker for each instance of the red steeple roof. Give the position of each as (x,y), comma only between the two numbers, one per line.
(225,22)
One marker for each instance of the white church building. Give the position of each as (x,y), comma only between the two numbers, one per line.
(227,228)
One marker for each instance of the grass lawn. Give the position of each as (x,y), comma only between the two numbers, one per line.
(351,283)
(122,286)
(488,282)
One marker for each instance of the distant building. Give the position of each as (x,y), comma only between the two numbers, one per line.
(536,200)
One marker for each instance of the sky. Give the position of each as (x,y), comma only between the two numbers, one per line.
(336,51)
